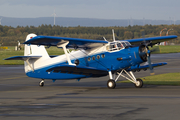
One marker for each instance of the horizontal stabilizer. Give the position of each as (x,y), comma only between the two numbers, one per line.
(133,68)
(81,70)
(24,58)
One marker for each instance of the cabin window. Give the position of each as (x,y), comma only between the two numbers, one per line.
(93,58)
(103,55)
(89,59)
(98,57)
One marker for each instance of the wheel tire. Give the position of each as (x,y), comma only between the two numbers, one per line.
(111,84)
(41,84)
(139,83)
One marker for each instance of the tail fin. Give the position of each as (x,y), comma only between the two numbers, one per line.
(34,50)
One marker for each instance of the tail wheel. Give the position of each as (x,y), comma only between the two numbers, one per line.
(111,84)
(139,83)
(41,84)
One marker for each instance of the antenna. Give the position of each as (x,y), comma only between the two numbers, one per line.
(0,21)
(54,14)
(113,35)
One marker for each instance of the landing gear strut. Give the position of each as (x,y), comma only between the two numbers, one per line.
(41,84)
(112,82)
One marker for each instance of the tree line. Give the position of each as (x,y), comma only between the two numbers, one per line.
(10,35)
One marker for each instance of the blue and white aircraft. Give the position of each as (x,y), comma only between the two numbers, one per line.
(92,58)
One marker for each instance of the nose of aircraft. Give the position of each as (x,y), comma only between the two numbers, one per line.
(144,54)
(143,51)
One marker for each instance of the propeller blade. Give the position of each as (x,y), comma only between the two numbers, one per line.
(150,66)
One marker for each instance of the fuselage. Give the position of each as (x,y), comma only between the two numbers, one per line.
(111,57)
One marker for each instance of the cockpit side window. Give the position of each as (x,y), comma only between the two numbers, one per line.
(124,44)
(114,46)
(119,45)
(128,44)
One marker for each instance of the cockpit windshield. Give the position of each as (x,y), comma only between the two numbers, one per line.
(117,45)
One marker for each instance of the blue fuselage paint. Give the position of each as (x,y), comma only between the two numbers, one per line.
(104,60)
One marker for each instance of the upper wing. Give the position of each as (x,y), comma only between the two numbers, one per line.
(88,43)
(152,40)
(73,42)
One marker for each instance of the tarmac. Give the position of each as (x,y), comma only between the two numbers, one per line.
(21,98)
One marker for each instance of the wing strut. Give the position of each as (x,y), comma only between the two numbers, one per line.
(27,61)
(63,45)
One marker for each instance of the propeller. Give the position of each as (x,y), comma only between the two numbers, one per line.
(147,51)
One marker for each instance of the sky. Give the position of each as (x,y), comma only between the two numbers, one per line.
(100,9)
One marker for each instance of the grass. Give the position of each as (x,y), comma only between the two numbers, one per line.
(11,52)
(162,79)
(166,49)
(5,53)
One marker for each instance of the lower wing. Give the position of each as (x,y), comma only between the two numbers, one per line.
(144,67)
(81,70)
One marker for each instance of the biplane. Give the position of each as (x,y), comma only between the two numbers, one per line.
(91,58)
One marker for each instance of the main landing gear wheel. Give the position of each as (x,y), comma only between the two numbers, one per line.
(41,84)
(111,84)
(139,83)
